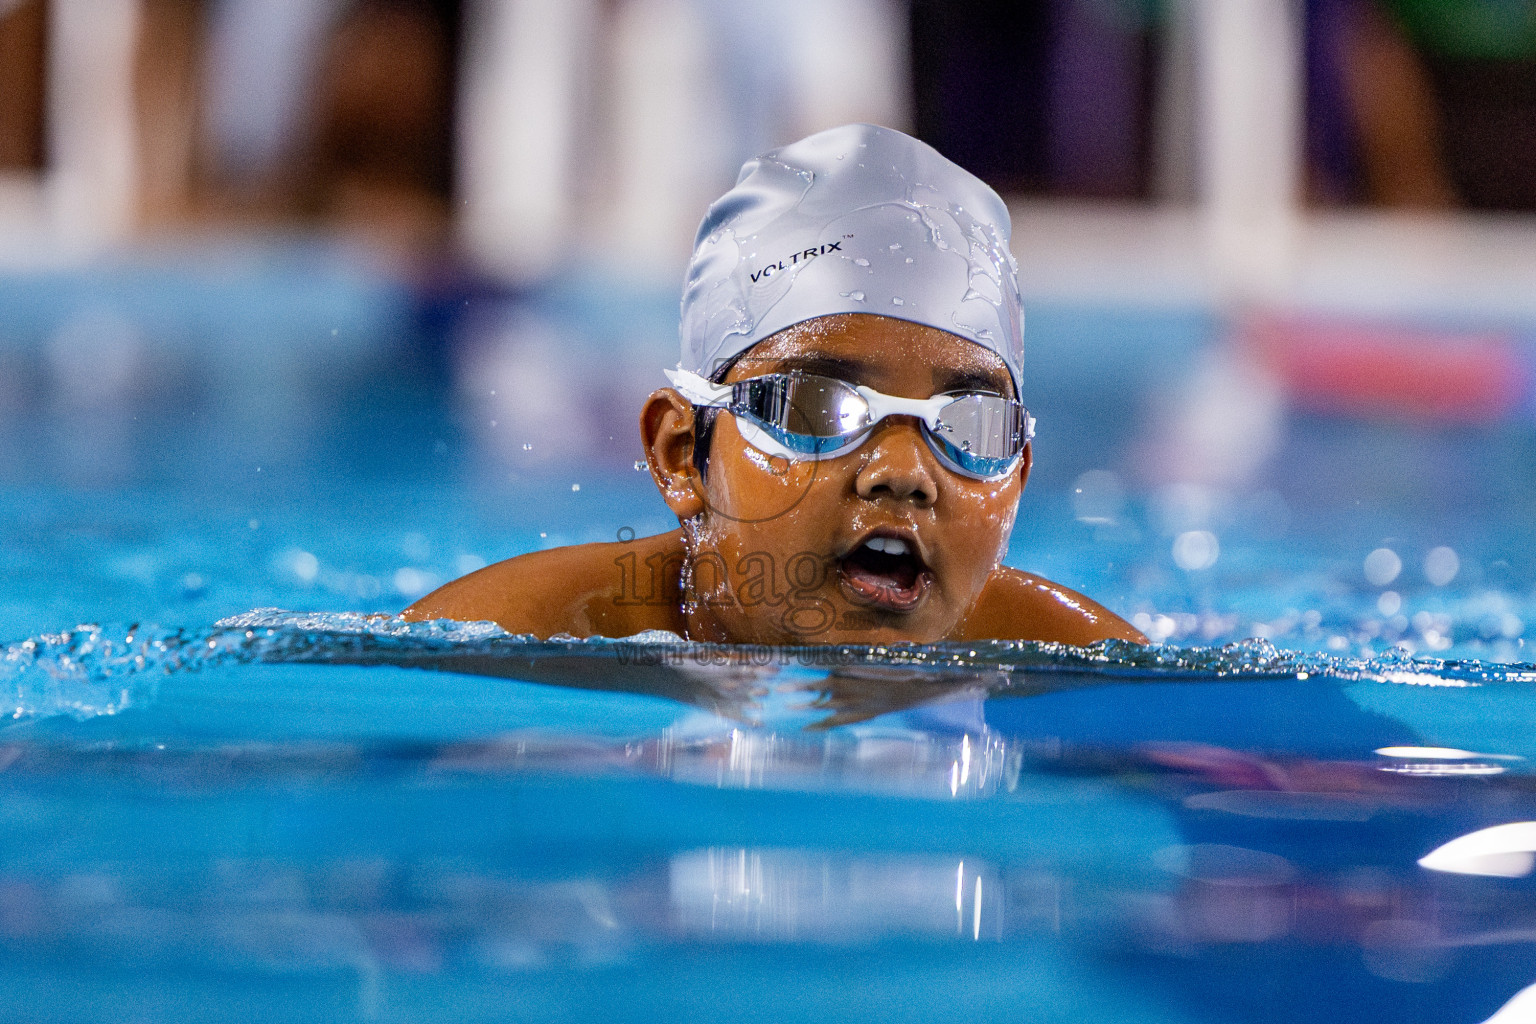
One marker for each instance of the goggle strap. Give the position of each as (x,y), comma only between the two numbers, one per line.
(698,390)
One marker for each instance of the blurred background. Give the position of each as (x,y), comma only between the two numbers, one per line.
(323,302)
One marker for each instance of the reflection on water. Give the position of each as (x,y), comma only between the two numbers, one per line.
(362,867)
(1502,851)
(1114,833)
(798,895)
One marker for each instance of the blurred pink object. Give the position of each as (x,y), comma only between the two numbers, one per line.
(1392,372)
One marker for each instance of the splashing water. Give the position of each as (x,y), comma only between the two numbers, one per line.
(95,670)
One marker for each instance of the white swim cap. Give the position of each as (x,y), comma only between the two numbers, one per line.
(857,219)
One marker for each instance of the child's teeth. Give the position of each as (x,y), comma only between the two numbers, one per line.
(887,545)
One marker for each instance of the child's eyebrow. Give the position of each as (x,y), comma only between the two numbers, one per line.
(948,379)
(945,379)
(851,370)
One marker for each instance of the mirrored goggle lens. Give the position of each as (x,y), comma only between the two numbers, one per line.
(979,435)
(982,426)
(807,414)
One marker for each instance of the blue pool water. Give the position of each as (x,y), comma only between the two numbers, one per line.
(319,816)
(227,793)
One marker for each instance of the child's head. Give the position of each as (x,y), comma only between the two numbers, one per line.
(867,510)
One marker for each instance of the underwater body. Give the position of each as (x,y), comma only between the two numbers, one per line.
(235,787)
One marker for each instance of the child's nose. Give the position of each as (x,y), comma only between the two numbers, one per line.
(899,464)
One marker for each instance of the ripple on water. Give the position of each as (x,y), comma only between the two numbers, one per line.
(100,670)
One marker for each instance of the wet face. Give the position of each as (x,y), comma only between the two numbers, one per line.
(880,544)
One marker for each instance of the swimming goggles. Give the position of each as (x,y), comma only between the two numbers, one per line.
(804,416)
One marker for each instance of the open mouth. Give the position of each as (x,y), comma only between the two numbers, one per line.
(885,572)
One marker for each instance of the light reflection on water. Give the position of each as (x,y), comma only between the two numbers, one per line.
(797,895)
(1167,831)
(540,853)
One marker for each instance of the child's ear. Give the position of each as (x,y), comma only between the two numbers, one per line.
(668,431)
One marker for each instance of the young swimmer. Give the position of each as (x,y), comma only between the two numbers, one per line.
(843,442)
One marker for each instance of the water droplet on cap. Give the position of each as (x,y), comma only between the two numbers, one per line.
(898,301)
(861,261)
(855,296)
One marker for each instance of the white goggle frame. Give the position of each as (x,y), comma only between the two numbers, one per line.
(702,392)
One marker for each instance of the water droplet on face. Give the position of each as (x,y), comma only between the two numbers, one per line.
(898,301)
(861,261)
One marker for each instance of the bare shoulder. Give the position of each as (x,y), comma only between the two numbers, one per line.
(582,589)
(1018,605)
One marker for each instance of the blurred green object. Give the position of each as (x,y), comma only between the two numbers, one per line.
(1478,29)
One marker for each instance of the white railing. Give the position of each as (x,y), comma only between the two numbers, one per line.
(88,196)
